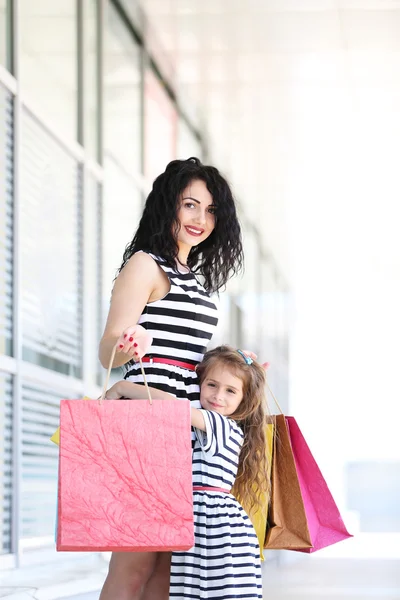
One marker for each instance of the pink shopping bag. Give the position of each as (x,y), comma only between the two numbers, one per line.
(324,522)
(125,476)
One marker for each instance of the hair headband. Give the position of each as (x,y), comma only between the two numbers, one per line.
(247,359)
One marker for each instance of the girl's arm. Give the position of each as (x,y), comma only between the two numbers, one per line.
(197,419)
(134,391)
(139,281)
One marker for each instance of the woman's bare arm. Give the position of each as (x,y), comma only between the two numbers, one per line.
(139,281)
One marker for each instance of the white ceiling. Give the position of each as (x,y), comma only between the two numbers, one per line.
(256,73)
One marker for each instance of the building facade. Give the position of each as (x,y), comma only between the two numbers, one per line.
(88,117)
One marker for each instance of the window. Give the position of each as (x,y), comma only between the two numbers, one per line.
(160,127)
(121,214)
(40,419)
(91,77)
(122,138)
(5,461)
(249,297)
(93,276)
(6,221)
(51,254)
(5,34)
(49,61)
(188,143)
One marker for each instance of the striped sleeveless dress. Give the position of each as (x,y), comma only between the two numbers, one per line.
(225,560)
(182,324)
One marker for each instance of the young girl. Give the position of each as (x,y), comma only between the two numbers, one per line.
(189,226)
(229,455)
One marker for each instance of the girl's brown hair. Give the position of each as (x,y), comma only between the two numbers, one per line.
(252,482)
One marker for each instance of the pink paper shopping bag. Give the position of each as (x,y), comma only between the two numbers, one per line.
(324,522)
(125,476)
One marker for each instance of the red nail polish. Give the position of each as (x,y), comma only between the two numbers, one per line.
(121,345)
(131,339)
(135,344)
(125,334)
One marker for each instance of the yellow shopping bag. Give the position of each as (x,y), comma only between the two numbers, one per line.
(260,520)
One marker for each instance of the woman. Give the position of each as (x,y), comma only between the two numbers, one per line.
(189,226)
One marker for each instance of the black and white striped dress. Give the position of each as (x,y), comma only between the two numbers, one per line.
(225,560)
(182,324)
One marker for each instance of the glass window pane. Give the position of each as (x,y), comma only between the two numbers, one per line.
(48,34)
(5,34)
(249,298)
(268,309)
(6,221)
(93,258)
(51,256)
(91,55)
(188,144)
(122,209)
(160,127)
(121,214)
(6,395)
(122,94)
(40,419)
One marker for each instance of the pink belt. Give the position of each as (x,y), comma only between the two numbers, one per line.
(203,488)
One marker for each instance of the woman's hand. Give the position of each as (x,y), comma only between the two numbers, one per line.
(253,356)
(250,354)
(135,342)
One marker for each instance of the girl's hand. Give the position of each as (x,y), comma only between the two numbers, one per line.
(135,342)
(134,391)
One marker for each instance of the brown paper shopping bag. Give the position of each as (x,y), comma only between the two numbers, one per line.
(287,521)
(303,514)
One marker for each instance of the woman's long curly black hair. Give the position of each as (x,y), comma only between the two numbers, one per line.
(218,257)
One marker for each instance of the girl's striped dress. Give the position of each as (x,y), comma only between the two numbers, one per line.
(225,560)
(182,324)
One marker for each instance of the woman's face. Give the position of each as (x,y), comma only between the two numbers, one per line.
(195,214)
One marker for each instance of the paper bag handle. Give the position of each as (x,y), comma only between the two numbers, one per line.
(275,400)
(103,395)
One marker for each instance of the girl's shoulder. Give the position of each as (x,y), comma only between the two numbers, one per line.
(222,434)
(218,421)
(234,425)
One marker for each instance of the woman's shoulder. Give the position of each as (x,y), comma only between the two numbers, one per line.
(142,259)
(140,265)
(151,258)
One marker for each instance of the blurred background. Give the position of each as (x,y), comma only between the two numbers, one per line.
(297,103)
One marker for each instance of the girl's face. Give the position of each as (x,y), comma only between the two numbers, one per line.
(195,215)
(221,391)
